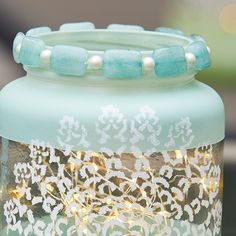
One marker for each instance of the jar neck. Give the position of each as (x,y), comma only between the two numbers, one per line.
(98,80)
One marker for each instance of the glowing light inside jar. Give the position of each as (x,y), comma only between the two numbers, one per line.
(97,188)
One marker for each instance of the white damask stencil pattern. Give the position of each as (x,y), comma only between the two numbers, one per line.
(71,129)
(112,126)
(181,130)
(114,132)
(111,192)
(88,193)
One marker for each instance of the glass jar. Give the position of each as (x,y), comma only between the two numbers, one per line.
(109,133)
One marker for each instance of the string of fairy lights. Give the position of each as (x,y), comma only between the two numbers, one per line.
(122,194)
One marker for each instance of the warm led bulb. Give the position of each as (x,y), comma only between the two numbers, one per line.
(49,187)
(95,154)
(134,180)
(72,166)
(109,201)
(79,155)
(76,196)
(95,167)
(165,213)
(144,194)
(178,154)
(128,204)
(207,155)
(15,193)
(74,210)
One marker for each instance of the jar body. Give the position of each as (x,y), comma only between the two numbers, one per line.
(48,191)
(111,161)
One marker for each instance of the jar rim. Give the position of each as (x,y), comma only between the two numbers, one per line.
(98,40)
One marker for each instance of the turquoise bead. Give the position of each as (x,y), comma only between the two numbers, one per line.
(69,60)
(170,62)
(169,31)
(196,37)
(119,63)
(203,58)
(124,27)
(18,40)
(38,30)
(31,49)
(77,26)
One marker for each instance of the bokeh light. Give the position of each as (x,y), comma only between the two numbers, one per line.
(227,18)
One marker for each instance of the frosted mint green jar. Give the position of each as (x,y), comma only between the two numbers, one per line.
(109,133)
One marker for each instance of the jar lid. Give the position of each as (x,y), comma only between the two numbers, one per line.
(79,48)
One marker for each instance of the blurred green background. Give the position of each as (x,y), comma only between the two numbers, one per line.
(214,19)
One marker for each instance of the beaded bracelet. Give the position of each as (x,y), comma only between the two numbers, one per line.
(171,61)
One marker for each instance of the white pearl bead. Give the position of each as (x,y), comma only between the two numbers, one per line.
(95,62)
(191,59)
(148,63)
(18,48)
(45,56)
(208,49)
